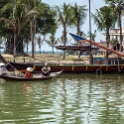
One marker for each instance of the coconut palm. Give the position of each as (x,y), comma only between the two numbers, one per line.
(118,6)
(13,22)
(43,20)
(78,19)
(105,19)
(114,43)
(52,42)
(18,15)
(32,13)
(40,42)
(93,35)
(64,16)
(78,16)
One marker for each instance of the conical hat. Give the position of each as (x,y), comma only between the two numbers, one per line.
(30,69)
(2,64)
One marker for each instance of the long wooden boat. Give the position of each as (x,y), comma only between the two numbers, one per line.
(34,78)
(77,48)
(75,68)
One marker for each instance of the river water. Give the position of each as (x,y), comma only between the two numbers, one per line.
(66,99)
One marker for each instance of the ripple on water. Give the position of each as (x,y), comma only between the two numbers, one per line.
(68,100)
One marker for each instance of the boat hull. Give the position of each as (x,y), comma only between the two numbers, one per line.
(35,77)
(17,78)
(74,68)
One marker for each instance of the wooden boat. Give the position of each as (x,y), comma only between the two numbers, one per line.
(35,77)
(77,68)
(76,48)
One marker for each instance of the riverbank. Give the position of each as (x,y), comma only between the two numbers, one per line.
(50,58)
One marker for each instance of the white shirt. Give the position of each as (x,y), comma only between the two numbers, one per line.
(2,70)
(46,68)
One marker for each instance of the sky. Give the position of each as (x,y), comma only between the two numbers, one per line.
(95,4)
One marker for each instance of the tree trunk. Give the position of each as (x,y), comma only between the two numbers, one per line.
(32,38)
(10,46)
(120,30)
(107,42)
(65,39)
(52,49)
(79,44)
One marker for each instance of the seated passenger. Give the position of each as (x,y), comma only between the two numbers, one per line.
(27,72)
(46,70)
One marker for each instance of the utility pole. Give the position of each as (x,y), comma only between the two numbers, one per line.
(91,57)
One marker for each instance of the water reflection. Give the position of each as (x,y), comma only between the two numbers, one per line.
(72,99)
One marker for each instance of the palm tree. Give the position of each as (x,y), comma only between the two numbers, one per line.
(43,20)
(26,43)
(93,35)
(118,6)
(105,19)
(78,19)
(40,42)
(78,16)
(52,42)
(114,43)
(32,13)
(64,16)
(14,20)
(19,15)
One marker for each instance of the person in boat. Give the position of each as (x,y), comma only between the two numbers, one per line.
(27,72)
(2,68)
(46,70)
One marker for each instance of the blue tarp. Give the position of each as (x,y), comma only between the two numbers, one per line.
(77,38)
(98,58)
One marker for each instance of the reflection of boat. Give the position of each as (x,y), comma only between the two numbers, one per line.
(34,78)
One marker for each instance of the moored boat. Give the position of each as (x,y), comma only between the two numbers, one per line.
(76,68)
(34,78)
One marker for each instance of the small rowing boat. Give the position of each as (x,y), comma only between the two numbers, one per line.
(34,78)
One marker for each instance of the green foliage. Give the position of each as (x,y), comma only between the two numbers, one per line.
(16,17)
(105,18)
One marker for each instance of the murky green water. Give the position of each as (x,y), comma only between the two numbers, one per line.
(67,99)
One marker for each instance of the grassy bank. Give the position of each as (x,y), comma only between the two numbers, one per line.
(49,58)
